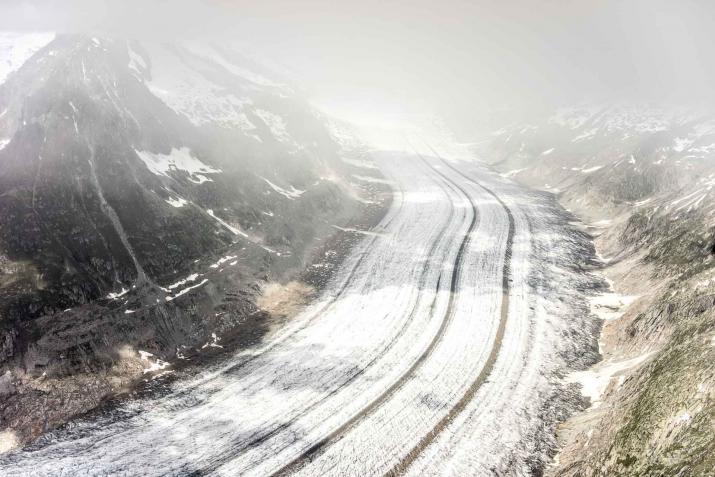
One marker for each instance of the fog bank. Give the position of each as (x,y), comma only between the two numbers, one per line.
(460,59)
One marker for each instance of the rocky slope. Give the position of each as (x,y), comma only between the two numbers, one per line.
(642,178)
(148,193)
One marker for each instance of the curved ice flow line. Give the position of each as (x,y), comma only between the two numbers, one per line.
(377,355)
(373,434)
(245,357)
(92,445)
(270,433)
(472,445)
(365,366)
(234,470)
(387,393)
(427,439)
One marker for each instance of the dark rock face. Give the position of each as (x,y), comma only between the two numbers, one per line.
(115,185)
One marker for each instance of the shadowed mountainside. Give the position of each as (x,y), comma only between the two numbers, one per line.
(147,193)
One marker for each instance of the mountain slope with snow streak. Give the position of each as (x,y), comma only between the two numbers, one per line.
(453,309)
(130,166)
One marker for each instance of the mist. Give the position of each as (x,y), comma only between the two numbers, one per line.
(368,237)
(462,60)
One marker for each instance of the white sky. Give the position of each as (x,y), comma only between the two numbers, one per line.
(452,56)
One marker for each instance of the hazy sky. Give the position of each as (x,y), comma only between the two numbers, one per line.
(449,55)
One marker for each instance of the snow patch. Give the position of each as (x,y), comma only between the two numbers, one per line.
(187,290)
(292,194)
(115,295)
(359,163)
(178,202)
(585,135)
(223,260)
(683,417)
(585,170)
(213,343)
(591,169)
(177,160)
(8,441)
(602,223)
(184,281)
(375,180)
(357,231)
(610,306)
(136,63)
(512,173)
(595,380)
(230,227)
(189,92)
(155,364)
